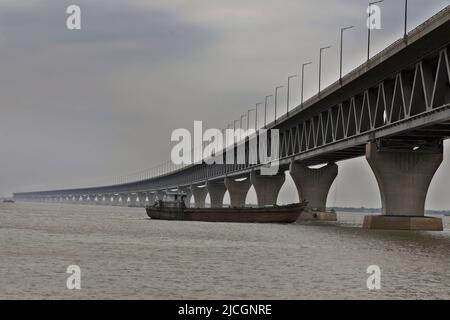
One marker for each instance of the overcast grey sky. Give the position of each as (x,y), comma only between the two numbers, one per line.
(79,107)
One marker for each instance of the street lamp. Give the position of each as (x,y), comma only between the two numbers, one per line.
(288,87)
(248,118)
(265,109)
(240,133)
(228,142)
(406,20)
(234,133)
(369,26)
(276,100)
(342,39)
(320,64)
(303,81)
(256,115)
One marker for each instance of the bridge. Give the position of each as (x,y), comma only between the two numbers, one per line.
(394,110)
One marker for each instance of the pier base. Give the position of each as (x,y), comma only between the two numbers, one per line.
(403,223)
(313,185)
(317,216)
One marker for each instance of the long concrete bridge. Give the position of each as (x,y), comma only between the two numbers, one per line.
(394,110)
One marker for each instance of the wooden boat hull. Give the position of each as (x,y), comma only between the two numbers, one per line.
(277,214)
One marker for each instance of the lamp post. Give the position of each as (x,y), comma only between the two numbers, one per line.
(240,135)
(406,20)
(369,27)
(288,88)
(320,64)
(228,142)
(256,115)
(276,100)
(248,117)
(340,59)
(265,109)
(303,81)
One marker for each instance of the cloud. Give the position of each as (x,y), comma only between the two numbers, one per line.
(150,32)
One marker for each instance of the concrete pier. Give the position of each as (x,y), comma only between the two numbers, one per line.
(199,194)
(114,200)
(313,186)
(161,194)
(403,178)
(142,199)
(216,190)
(188,192)
(133,199)
(151,198)
(124,200)
(267,187)
(238,190)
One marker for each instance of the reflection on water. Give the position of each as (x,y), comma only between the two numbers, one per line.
(123,254)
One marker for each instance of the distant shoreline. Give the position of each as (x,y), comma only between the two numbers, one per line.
(378,210)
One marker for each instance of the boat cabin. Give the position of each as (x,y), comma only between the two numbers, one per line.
(173,196)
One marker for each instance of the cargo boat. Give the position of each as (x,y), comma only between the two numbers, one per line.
(177,210)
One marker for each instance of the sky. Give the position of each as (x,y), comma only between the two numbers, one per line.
(79,108)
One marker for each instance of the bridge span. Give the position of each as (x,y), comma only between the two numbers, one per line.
(394,110)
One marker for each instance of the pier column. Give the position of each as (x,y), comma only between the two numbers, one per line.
(115,200)
(313,186)
(267,187)
(123,200)
(403,177)
(133,200)
(161,194)
(151,198)
(238,190)
(187,199)
(216,190)
(142,199)
(199,195)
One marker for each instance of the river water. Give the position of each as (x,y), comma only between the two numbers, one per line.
(123,254)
